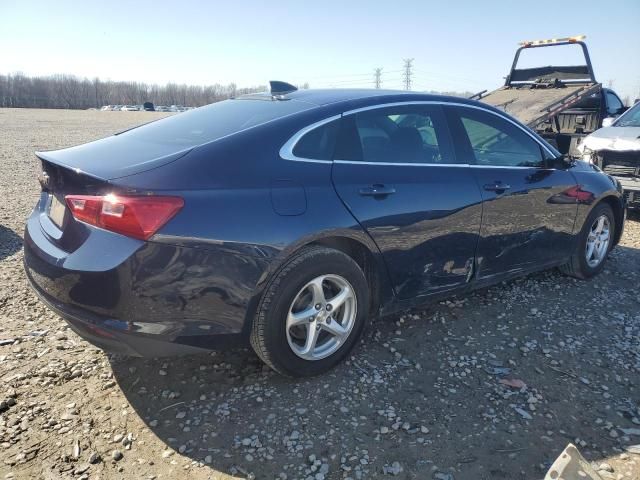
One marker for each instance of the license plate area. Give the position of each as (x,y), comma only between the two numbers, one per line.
(57,211)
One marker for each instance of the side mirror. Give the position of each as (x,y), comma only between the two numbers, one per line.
(607,122)
(561,162)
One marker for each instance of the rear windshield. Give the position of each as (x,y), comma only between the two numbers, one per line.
(215,121)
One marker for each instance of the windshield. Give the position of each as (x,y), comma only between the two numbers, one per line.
(215,121)
(630,118)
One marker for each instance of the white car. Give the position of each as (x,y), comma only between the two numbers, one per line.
(130,108)
(615,148)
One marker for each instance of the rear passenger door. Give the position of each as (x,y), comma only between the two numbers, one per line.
(529,204)
(395,170)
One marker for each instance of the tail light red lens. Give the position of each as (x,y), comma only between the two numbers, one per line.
(137,217)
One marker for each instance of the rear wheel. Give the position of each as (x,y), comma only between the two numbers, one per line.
(594,244)
(312,313)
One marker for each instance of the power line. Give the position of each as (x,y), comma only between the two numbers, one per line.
(378,78)
(408,65)
(364,81)
(432,73)
(340,76)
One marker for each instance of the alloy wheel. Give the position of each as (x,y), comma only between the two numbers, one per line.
(598,241)
(321,317)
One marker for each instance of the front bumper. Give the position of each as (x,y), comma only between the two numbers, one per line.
(624,166)
(631,189)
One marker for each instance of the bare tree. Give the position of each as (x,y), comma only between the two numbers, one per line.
(68,91)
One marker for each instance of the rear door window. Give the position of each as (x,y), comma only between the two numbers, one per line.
(403,134)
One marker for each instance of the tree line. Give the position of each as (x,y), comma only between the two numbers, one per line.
(69,91)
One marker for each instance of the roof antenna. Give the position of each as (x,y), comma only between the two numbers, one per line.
(281,88)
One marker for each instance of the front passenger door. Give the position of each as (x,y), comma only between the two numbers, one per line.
(528,212)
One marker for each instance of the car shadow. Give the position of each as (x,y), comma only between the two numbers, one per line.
(228,411)
(10,243)
(198,405)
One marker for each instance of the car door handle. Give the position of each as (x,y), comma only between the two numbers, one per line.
(497,187)
(377,190)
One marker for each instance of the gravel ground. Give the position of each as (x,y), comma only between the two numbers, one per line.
(490,386)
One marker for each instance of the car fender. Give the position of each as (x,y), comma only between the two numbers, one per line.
(597,188)
(328,237)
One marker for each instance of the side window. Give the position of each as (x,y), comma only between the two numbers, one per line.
(319,143)
(614,105)
(496,142)
(403,134)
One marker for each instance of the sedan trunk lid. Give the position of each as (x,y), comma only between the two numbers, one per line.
(114,157)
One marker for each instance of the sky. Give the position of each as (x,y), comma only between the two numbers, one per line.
(459,45)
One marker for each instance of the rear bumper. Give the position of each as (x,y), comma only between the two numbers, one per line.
(144,298)
(100,332)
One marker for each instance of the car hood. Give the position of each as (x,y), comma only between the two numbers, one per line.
(613,138)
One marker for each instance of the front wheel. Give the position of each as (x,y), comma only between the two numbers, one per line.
(312,313)
(594,243)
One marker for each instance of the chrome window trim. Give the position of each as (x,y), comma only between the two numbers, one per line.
(356,162)
(509,166)
(286,151)
(455,104)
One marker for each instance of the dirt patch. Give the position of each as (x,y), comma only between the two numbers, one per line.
(490,386)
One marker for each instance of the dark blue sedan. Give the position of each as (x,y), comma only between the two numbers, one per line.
(291,218)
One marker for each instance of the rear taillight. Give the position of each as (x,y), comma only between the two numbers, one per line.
(138,217)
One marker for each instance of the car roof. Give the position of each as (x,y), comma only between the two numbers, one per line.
(328,96)
(362,96)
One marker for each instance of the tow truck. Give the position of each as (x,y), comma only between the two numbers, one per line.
(562,103)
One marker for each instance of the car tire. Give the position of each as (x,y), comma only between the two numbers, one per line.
(579,266)
(292,309)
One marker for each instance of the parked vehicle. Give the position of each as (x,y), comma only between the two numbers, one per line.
(289,223)
(106,108)
(616,150)
(562,103)
(148,107)
(130,108)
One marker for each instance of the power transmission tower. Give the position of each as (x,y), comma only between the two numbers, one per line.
(378,77)
(408,65)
